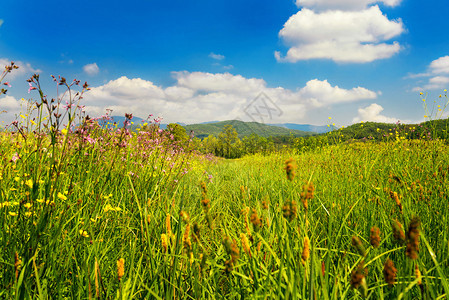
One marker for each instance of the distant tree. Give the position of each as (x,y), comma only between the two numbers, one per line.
(227,138)
(178,132)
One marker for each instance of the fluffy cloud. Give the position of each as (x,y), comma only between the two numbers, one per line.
(200,96)
(24,69)
(372,113)
(321,93)
(216,56)
(91,69)
(342,36)
(342,4)
(438,71)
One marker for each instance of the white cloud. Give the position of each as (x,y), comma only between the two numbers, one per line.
(9,104)
(438,71)
(91,69)
(24,69)
(216,56)
(372,113)
(342,4)
(321,93)
(200,96)
(342,36)
(440,65)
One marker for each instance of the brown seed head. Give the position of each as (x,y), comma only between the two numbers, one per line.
(398,231)
(290,168)
(375,237)
(120,268)
(390,272)
(413,238)
(357,243)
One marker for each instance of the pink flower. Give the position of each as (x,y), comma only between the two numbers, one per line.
(31,87)
(15,157)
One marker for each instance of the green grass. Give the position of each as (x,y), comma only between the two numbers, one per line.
(70,210)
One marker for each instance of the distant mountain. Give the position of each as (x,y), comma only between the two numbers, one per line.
(243,129)
(306,127)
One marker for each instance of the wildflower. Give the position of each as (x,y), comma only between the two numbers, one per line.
(290,169)
(306,249)
(30,87)
(390,272)
(13,214)
(62,196)
(120,268)
(357,243)
(15,157)
(245,244)
(413,238)
(375,237)
(83,233)
(27,205)
(64,131)
(29,183)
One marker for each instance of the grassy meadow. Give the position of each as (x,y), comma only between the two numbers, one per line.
(94,213)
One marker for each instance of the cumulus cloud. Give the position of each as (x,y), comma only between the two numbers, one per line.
(91,69)
(342,36)
(373,113)
(24,69)
(438,71)
(200,96)
(343,4)
(216,56)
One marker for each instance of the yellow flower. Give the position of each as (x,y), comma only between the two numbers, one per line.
(29,183)
(27,205)
(12,213)
(28,214)
(83,233)
(64,131)
(61,196)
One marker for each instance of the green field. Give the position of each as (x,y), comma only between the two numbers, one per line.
(88,212)
(189,226)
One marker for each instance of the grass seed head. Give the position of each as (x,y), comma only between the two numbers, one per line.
(418,274)
(375,237)
(306,249)
(390,272)
(290,169)
(120,268)
(255,220)
(358,278)
(289,210)
(245,244)
(357,243)
(413,238)
(398,231)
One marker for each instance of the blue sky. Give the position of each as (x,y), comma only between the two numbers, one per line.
(196,61)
